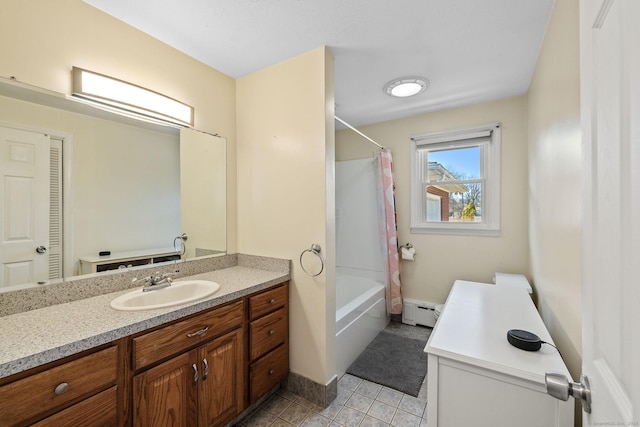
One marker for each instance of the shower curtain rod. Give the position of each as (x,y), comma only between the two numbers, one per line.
(358,132)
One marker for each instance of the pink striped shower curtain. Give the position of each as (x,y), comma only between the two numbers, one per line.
(393,293)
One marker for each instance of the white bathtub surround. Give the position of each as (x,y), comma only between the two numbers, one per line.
(360,316)
(359,219)
(360,255)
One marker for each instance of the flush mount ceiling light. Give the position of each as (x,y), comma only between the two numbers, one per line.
(406,86)
(131,98)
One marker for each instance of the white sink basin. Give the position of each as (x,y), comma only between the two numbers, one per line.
(180,292)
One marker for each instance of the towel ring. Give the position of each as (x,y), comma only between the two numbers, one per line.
(183,238)
(314,249)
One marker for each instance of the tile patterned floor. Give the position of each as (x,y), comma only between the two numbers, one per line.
(359,403)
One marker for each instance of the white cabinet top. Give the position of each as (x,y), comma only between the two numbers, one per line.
(123,256)
(473,329)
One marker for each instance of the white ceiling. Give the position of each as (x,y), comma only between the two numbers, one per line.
(470,50)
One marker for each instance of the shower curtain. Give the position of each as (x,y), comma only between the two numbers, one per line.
(393,292)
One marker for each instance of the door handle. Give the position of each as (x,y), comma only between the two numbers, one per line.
(205,373)
(41,249)
(559,386)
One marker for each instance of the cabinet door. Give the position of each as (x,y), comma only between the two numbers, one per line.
(221,390)
(166,394)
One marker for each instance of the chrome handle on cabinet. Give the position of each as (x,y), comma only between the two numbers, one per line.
(41,249)
(559,386)
(271,371)
(206,369)
(195,373)
(197,333)
(271,332)
(272,301)
(61,389)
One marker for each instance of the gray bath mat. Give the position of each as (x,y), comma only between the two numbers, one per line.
(393,361)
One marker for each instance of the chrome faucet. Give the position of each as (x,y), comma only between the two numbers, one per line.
(155,281)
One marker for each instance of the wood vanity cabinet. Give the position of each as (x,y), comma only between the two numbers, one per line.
(78,390)
(202,370)
(202,382)
(268,340)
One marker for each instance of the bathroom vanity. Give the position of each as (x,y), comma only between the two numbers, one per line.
(475,377)
(83,363)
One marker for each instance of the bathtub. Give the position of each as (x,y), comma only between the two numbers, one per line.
(360,315)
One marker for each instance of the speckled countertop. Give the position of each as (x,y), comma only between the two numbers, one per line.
(35,337)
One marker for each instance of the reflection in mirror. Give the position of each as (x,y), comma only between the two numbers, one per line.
(86,191)
(203,198)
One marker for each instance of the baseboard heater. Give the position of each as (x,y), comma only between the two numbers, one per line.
(416,312)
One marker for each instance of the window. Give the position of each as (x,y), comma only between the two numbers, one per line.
(434,207)
(456,181)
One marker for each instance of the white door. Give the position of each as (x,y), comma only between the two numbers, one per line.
(24,198)
(610,97)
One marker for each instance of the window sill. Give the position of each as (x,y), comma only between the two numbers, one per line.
(456,231)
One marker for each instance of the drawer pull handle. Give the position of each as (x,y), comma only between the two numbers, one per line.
(273,301)
(271,371)
(271,332)
(198,333)
(206,369)
(61,388)
(195,373)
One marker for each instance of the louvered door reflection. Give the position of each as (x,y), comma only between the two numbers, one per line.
(55,210)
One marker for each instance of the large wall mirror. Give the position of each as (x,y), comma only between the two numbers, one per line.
(86,190)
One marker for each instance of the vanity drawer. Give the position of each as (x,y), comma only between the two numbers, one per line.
(267,333)
(268,371)
(96,411)
(35,394)
(266,302)
(175,338)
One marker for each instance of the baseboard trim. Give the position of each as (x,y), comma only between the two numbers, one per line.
(320,394)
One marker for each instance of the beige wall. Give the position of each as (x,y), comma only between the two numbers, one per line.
(285,192)
(41,40)
(555,181)
(441,259)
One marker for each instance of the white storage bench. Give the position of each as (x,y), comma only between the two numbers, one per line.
(476,378)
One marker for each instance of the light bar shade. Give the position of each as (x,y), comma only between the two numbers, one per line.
(129,97)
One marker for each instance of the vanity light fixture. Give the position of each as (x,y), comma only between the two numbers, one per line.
(130,98)
(406,86)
